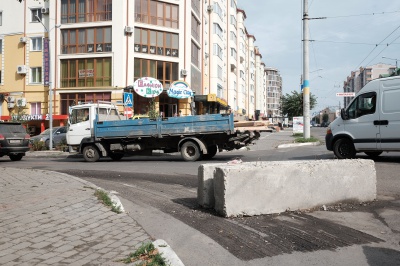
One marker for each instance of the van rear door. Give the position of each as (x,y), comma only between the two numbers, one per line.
(390,114)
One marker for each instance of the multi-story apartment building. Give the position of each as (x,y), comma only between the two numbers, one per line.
(274,92)
(358,79)
(86,51)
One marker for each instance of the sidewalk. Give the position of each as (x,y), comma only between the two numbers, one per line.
(49,218)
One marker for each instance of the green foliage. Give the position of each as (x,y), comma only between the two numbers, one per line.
(38,145)
(103,197)
(300,139)
(292,104)
(153,111)
(147,254)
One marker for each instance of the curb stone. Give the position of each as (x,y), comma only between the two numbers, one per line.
(290,145)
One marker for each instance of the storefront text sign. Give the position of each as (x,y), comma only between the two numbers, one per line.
(180,90)
(148,87)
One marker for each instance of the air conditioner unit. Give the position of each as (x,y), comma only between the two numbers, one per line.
(129,29)
(22,69)
(10,102)
(210,8)
(44,10)
(21,102)
(184,72)
(23,39)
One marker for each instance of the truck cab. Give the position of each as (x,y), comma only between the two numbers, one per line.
(82,118)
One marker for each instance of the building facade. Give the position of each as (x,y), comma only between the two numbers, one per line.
(358,79)
(65,52)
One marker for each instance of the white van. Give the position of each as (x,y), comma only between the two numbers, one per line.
(370,123)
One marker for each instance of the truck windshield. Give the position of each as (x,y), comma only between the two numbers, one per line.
(79,115)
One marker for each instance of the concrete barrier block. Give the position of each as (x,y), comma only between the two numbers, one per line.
(205,189)
(273,187)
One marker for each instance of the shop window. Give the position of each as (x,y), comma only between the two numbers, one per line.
(87,72)
(91,40)
(75,11)
(156,42)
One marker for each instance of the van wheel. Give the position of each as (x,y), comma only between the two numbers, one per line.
(190,151)
(211,151)
(373,154)
(91,154)
(344,149)
(16,157)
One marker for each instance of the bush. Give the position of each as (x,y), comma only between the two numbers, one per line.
(38,145)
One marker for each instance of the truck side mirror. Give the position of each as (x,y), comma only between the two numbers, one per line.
(343,114)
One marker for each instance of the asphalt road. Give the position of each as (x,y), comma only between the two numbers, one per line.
(160,193)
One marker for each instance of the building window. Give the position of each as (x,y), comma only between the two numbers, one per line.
(218,30)
(195,55)
(233,37)
(1,46)
(195,28)
(36,44)
(242,75)
(218,50)
(165,72)
(89,40)
(36,15)
(233,21)
(218,10)
(157,13)
(219,72)
(36,75)
(75,11)
(220,91)
(156,42)
(36,108)
(234,53)
(1,18)
(196,6)
(70,99)
(87,72)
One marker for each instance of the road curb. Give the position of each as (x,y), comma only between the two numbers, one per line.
(290,145)
(167,253)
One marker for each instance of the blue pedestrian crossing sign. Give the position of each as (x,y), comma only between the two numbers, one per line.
(128,99)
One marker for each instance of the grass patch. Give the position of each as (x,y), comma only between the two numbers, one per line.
(103,197)
(147,254)
(299,138)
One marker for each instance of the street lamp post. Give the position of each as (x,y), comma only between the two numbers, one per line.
(50,87)
(306,81)
(391,59)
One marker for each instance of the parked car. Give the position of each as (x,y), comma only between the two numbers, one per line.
(14,140)
(59,136)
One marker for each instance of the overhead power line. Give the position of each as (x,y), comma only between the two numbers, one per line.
(367,14)
(356,43)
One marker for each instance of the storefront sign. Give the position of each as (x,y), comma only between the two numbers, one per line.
(180,90)
(85,73)
(211,97)
(345,94)
(46,61)
(148,87)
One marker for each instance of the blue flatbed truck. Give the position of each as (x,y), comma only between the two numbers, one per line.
(103,133)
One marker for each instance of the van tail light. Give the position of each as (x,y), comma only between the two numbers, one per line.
(2,137)
(328,130)
(27,136)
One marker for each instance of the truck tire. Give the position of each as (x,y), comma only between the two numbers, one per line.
(116,156)
(344,149)
(190,151)
(373,154)
(16,157)
(91,153)
(211,151)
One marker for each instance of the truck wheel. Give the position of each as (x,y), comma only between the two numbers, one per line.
(190,151)
(344,149)
(373,154)
(211,151)
(16,157)
(91,154)
(116,156)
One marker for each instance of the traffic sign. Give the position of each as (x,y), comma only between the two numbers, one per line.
(128,99)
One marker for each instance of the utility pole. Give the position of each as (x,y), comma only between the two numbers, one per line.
(306,82)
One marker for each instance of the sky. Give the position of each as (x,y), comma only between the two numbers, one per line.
(355,33)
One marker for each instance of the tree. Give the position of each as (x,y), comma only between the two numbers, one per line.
(292,104)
